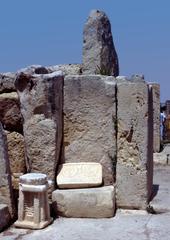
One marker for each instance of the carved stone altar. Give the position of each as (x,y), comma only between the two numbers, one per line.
(33,208)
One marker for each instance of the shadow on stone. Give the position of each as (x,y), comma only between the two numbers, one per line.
(155,189)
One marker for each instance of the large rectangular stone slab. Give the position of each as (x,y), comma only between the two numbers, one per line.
(85,203)
(89,121)
(79,175)
(134,153)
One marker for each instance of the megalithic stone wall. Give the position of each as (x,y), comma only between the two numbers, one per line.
(99,54)
(132,172)
(90,118)
(156,116)
(41,97)
(6,195)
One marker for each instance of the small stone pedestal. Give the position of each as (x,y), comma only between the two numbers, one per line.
(33,208)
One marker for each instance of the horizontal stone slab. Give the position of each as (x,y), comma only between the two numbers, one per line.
(85,203)
(79,175)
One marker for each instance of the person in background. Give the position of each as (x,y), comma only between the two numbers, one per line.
(162,123)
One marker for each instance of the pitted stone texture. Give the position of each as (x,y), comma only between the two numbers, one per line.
(10,114)
(133,183)
(67,69)
(4,216)
(41,98)
(85,203)
(6,196)
(90,113)
(79,175)
(99,54)
(16,153)
(156,116)
(7,81)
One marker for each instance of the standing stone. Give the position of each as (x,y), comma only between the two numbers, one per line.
(89,125)
(6,196)
(41,97)
(99,54)
(133,165)
(156,116)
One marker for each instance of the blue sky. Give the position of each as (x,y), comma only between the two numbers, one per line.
(50,32)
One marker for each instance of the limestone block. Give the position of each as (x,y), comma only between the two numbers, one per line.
(4,216)
(7,81)
(89,121)
(134,166)
(99,54)
(156,116)
(160,158)
(41,97)
(79,175)
(6,196)
(85,203)
(10,114)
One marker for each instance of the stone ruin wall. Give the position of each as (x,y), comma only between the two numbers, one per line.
(107,119)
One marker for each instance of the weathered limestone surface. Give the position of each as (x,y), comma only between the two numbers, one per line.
(67,69)
(156,116)
(5,177)
(16,153)
(133,183)
(85,203)
(4,216)
(10,114)
(33,208)
(79,175)
(99,54)
(41,97)
(160,158)
(7,81)
(33,69)
(90,110)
